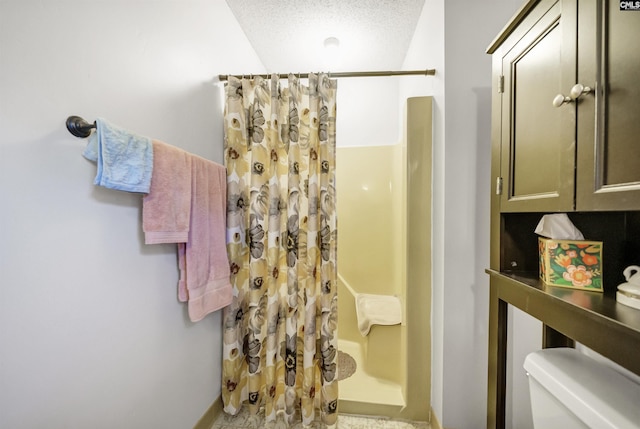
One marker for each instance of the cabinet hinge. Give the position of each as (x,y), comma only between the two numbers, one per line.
(501,84)
(498,185)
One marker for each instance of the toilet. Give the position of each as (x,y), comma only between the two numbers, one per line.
(570,390)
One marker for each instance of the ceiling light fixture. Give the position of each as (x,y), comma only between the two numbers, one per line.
(332,55)
(331,43)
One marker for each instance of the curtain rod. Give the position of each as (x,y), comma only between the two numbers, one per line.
(427,72)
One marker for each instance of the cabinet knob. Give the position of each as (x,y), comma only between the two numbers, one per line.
(577,91)
(560,99)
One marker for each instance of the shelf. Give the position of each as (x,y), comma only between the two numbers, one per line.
(594,319)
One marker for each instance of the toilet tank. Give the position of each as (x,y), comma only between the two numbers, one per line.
(570,390)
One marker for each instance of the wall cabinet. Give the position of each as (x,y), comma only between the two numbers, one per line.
(567,76)
(565,138)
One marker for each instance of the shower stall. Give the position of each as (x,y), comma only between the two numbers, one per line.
(384,250)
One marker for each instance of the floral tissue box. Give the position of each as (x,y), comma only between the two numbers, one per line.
(571,263)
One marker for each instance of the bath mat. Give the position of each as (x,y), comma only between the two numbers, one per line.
(346,365)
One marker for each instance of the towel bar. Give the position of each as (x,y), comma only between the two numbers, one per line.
(79,127)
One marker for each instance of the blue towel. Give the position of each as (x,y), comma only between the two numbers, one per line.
(125,160)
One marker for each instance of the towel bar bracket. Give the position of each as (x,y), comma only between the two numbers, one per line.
(79,127)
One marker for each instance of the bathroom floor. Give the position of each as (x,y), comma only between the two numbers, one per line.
(242,421)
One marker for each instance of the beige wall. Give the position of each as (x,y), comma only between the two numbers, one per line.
(371,211)
(384,236)
(370,215)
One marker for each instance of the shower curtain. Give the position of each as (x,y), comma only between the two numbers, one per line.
(280,332)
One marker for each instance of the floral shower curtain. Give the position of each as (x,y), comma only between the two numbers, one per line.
(280,332)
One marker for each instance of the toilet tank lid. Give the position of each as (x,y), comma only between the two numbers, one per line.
(594,392)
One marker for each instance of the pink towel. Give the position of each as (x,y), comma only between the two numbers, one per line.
(204,257)
(187,205)
(166,210)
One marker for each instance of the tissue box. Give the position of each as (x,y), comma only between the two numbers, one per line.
(571,263)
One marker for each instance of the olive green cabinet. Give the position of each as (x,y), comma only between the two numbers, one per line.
(565,138)
(568,128)
(608,132)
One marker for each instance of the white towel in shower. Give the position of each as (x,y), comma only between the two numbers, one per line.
(377,310)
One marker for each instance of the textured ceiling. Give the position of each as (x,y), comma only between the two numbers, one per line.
(288,35)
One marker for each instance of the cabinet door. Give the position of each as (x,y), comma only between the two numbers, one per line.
(538,140)
(608,174)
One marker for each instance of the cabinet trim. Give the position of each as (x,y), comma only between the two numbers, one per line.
(511,25)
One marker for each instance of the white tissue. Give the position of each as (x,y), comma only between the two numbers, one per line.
(558,227)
